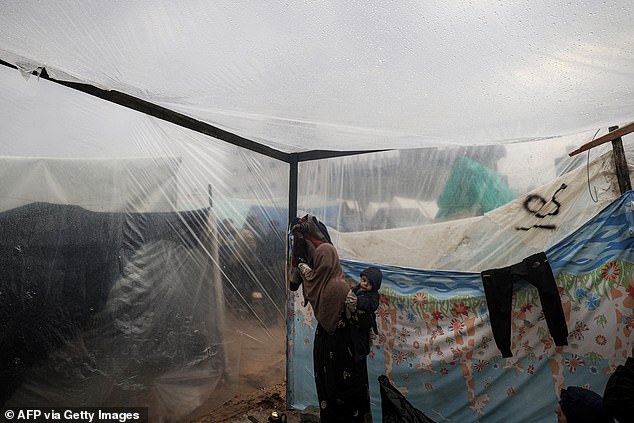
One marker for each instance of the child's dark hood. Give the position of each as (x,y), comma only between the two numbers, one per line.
(375,276)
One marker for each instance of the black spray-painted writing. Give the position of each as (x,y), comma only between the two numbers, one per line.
(536,203)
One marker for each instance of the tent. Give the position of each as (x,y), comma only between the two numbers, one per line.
(138,131)
(435,341)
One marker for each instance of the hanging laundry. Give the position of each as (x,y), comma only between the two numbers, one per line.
(498,288)
(310,229)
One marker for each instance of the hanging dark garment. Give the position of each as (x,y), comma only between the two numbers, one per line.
(342,384)
(395,408)
(313,228)
(498,288)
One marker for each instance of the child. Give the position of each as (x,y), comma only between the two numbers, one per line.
(363,301)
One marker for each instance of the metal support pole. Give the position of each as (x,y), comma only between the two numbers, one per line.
(292,213)
(292,187)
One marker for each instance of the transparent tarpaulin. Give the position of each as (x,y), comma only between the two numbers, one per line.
(307,75)
(142,265)
(415,187)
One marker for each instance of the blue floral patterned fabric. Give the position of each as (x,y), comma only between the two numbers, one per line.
(436,346)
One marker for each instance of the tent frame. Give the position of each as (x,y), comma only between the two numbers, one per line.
(620,163)
(293,159)
(168,115)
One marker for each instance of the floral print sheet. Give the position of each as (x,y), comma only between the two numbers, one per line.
(436,346)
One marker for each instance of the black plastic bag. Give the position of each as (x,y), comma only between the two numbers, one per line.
(395,408)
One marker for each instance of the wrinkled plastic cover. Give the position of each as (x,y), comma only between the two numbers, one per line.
(329,75)
(144,264)
(98,184)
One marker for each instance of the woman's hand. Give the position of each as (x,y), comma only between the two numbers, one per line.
(303,268)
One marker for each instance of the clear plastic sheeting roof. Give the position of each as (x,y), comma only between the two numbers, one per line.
(143,263)
(345,76)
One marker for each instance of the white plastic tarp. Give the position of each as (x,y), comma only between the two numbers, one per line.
(329,75)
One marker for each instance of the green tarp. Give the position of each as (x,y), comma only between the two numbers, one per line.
(472,189)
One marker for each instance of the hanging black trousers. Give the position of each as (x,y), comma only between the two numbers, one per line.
(498,288)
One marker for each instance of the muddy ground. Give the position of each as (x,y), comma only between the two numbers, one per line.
(257,407)
(258,354)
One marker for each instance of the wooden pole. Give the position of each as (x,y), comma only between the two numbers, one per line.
(605,138)
(620,163)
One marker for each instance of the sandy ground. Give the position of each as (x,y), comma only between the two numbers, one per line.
(259,388)
(257,407)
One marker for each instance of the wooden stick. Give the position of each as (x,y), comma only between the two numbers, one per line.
(605,138)
(620,163)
